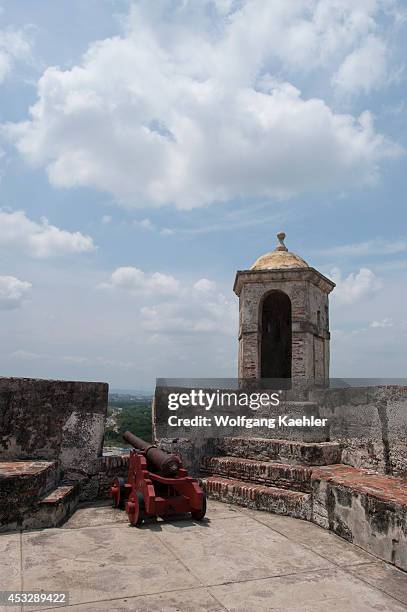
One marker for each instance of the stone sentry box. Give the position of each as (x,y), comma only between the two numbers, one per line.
(283,319)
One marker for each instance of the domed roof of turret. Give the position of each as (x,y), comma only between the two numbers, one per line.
(279,259)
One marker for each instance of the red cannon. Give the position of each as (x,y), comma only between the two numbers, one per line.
(157,485)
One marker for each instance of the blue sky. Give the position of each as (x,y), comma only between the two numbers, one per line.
(149,150)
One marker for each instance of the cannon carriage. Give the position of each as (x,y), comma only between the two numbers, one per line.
(157,485)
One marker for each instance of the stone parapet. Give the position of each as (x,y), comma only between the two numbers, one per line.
(52,420)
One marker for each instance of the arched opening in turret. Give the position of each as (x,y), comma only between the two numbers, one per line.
(276,351)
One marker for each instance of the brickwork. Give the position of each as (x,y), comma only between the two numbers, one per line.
(259,497)
(308,292)
(108,468)
(364,507)
(285,476)
(95,483)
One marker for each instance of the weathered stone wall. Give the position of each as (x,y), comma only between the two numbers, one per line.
(194,443)
(53,420)
(282,451)
(370,423)
(190,451)
(371,515)
(21,485)
(292,406)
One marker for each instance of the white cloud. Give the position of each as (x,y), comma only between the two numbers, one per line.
(12,292)
(144,224)
(136,281)
(364,69)
(386,322)
(376,247)
(106,219)
(14,46)
(23,355)
(196,308)
(204,285)
(180,109)
(148,225)
(193,313)
(40,240)
(355,287)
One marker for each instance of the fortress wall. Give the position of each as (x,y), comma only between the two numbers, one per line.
(53,420)
(369,422)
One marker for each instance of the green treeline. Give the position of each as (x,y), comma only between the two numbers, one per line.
(132,415)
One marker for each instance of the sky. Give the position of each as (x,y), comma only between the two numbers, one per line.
(148,150)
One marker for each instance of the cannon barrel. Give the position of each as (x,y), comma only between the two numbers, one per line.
(167,464)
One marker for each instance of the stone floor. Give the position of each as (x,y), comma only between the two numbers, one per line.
(236,559)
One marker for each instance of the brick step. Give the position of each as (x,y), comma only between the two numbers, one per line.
(365,508)
(289,451)
(54,509)
(22,485)
(258,497)
(267,473)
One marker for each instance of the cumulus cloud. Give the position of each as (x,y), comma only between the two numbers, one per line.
(181,109)
(12,292)
(355,286)
(169,306)
(364,69)
(193,313)
(41,239)
(204,285)
(136,281)
(14,46)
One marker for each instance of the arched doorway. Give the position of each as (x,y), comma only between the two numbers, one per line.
(276,336)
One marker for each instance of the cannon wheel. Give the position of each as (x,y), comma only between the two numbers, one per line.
(198,515)
(117,492)
(135,508)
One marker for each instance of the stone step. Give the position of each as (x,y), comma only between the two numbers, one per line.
(258,497)
(28,478)
(54,509)
(22,485)
(365,508)
(290,451)
(267,473)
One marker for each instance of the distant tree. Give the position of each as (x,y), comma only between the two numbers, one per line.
(135,417)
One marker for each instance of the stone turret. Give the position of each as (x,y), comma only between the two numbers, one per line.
(283,319)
